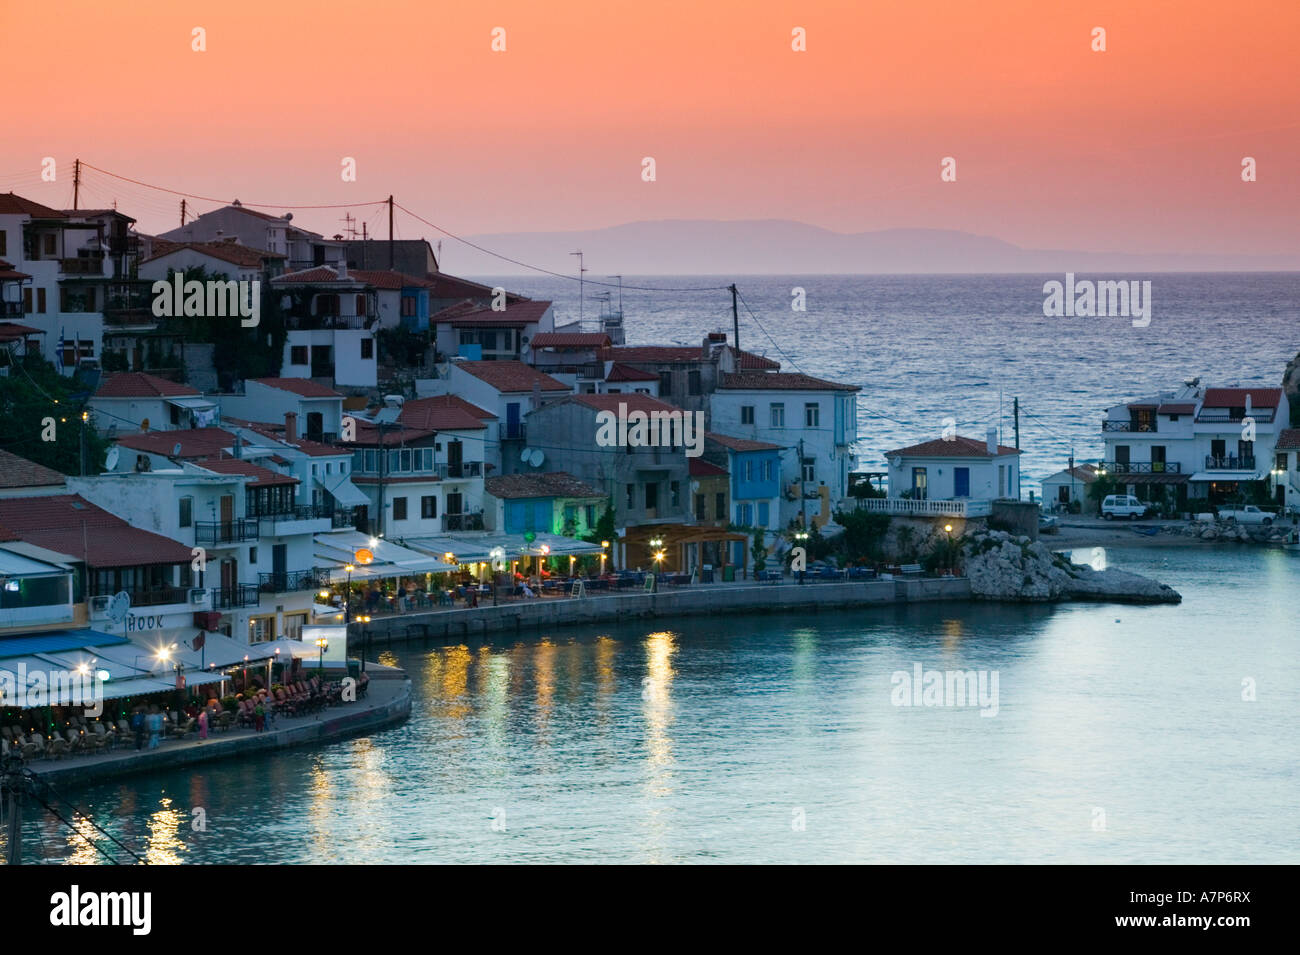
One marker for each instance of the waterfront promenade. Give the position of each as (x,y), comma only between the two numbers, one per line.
(387,703)
(747,597)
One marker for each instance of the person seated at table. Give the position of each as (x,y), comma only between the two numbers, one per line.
(526,590)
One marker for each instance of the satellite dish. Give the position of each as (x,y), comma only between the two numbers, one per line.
(110,459)
(536,458)
(525,454)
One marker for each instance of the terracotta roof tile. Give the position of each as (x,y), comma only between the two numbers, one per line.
(12,204)
(19,472)
(621,372)
(510,376)
(740,444)
(389,279)
(958,447)
(570,340)
(520,313)
(1236,397)
(262,477)
(701,468)
(232,252)
(780,381)
(135,384)
(1289,440)
(633,402)
(299,386)
(194,442)
(69,524)
(441,413)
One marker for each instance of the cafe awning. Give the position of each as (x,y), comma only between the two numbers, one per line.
(343,490)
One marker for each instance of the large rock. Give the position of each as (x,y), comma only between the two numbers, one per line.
(1002,567)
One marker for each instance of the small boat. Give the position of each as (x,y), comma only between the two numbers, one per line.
(1147,531)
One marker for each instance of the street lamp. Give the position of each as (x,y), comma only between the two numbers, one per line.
(801,537)
(347,606)
(604,547)
(364,620)
(322,643)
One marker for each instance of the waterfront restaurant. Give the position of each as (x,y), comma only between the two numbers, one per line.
(390,568)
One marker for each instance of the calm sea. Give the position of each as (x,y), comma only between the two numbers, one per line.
(926,347)
(1121,734)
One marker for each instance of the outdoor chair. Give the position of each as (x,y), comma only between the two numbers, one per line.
(180,731)
(29,748)
(57,748)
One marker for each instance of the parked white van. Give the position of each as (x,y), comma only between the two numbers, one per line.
(1123,505)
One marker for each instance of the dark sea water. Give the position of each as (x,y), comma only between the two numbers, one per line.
(1121,735)
(926,347)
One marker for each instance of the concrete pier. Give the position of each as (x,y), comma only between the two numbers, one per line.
(549,613)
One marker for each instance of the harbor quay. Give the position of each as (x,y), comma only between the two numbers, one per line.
(387,703)
(700,600)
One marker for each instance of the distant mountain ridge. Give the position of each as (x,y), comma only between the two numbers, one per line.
(786,247)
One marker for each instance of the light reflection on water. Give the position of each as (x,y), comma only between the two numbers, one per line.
(703,741)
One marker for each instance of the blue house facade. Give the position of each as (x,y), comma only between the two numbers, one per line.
(755,469)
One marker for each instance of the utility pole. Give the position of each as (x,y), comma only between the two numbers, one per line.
(182,213)
(735,326)
(76,183)
(392,251)
(1072,479)
(1015,409)
(582,271)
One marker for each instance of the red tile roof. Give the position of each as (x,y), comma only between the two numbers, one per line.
(389,279)
(7,271)
(780,381)
(510,376)
(321,274)
(226,251)
(633,402)
(1177,407)
(194,442)
(656,354)
(621,372)
(1289,440)
(136,384)
(958,447)
(12,204)
(449,287)
(1236,397)
(701,468)
(515,314)
(299,386)
(368,435)
(441,413)
(748,361)
(69,524)
(570,340)
(740,444)
(262,477)
(12,331)
(19,472)
(546,484)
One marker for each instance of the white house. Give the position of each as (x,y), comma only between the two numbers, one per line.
(957,469)
(1194,443)
(260,230)
(1069,485)
(133,401)
(507,389)
(71,260)
(483,333)
(331,319)
(1287,466)
(813,420)
(318,409)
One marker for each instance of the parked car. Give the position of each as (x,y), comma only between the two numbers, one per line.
(1250,514)
(1123,505)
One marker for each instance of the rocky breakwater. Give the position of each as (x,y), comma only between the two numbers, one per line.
(1003,567)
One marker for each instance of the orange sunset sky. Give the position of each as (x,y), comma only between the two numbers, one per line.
(1138,148)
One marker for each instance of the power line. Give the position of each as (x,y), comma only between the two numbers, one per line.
(257,205)
(538,268)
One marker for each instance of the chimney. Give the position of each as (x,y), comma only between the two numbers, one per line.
(342,269)
(991,440)
(291,426)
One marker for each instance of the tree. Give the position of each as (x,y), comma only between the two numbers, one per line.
(41,410)
(759,552)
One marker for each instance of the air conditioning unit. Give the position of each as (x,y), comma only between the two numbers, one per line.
(99,604)
(198,595)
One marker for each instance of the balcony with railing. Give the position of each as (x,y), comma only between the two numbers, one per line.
(1141,467)
(1130,427)
(513,432)
(12,310)
(144,597)
(232,598)
(1230,462)
(302,321)
(225,532)
(294,519)
(83,265)
(1235,415)
(293,581)
(462,522)
(921,508)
